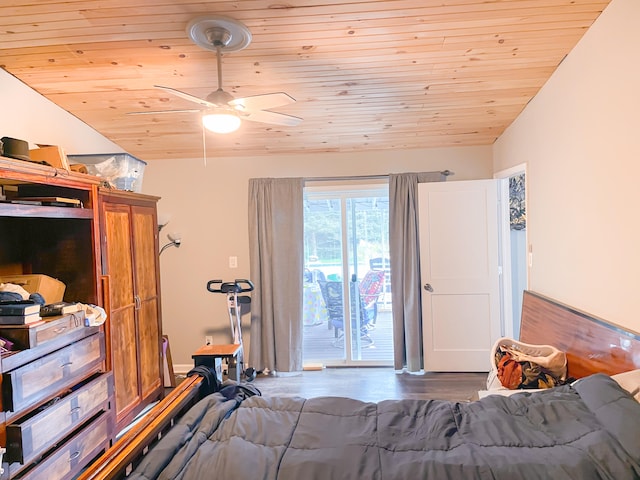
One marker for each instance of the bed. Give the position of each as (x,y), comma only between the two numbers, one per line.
(587,429)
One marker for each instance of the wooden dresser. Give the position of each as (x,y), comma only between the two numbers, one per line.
(57,400)
(62,385)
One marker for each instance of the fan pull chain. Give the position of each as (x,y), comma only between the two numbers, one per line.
(204,145)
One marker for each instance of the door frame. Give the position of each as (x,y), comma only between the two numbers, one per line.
(506,266)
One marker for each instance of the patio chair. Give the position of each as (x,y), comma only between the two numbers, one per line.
(371,288)
(314,275)
(384,264)
(332,294)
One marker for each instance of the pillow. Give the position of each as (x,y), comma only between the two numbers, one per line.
(630,381)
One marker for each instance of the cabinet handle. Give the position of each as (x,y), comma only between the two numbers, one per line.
(66,364)
(137,302)
(74,455)
(74,410)
(59,329)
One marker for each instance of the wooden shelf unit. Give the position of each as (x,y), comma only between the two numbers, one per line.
(71,245)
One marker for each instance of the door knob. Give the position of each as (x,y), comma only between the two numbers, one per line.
(428,287)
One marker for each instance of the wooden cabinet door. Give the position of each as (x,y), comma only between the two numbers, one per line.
(130,259)
(118,264)
(146,288)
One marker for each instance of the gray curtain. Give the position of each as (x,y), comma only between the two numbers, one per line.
(405,267)
(275,257)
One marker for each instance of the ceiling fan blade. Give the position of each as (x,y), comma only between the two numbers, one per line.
(274,118)
(155,112)
(186,96)
(262,102)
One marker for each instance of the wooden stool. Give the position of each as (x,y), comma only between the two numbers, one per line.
(211,356)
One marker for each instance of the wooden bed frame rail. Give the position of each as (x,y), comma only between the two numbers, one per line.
(129,449)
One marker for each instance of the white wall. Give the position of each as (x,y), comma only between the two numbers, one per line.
(28,116)
(579,138)
(208,206)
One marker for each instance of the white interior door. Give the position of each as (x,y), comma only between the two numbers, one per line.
(458,227)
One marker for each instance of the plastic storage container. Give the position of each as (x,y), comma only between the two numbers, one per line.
(124,171)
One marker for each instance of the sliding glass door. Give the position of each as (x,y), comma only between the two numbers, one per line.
(347,295)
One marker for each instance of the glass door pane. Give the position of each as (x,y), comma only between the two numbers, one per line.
(323,311)
(346,257)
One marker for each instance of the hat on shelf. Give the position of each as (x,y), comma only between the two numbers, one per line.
(15,148)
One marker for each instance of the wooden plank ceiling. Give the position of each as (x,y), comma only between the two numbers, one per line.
(366,74)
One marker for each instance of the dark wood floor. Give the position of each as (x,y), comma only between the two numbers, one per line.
(371,384)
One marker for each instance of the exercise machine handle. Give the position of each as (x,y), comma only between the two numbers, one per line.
(239,285)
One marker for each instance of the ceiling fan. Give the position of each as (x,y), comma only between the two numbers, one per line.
(222,113)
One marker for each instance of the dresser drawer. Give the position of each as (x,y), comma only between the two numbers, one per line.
(45,377)
(70,458)
(31,436)
(31,336)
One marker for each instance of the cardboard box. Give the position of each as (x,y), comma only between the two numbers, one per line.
(52,154)
(50,288)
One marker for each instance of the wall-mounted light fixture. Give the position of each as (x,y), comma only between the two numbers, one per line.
(175,241)
(163,219)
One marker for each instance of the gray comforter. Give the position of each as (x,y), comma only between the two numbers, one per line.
(587,431)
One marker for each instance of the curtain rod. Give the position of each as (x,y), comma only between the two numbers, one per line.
(446,173)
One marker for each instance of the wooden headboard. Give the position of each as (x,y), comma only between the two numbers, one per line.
(591,344)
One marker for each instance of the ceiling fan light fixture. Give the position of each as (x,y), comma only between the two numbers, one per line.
(221,111)
(221,122)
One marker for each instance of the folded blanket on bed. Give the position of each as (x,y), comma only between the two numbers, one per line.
(585,431)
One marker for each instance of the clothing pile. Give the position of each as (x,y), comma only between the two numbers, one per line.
(517,365)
